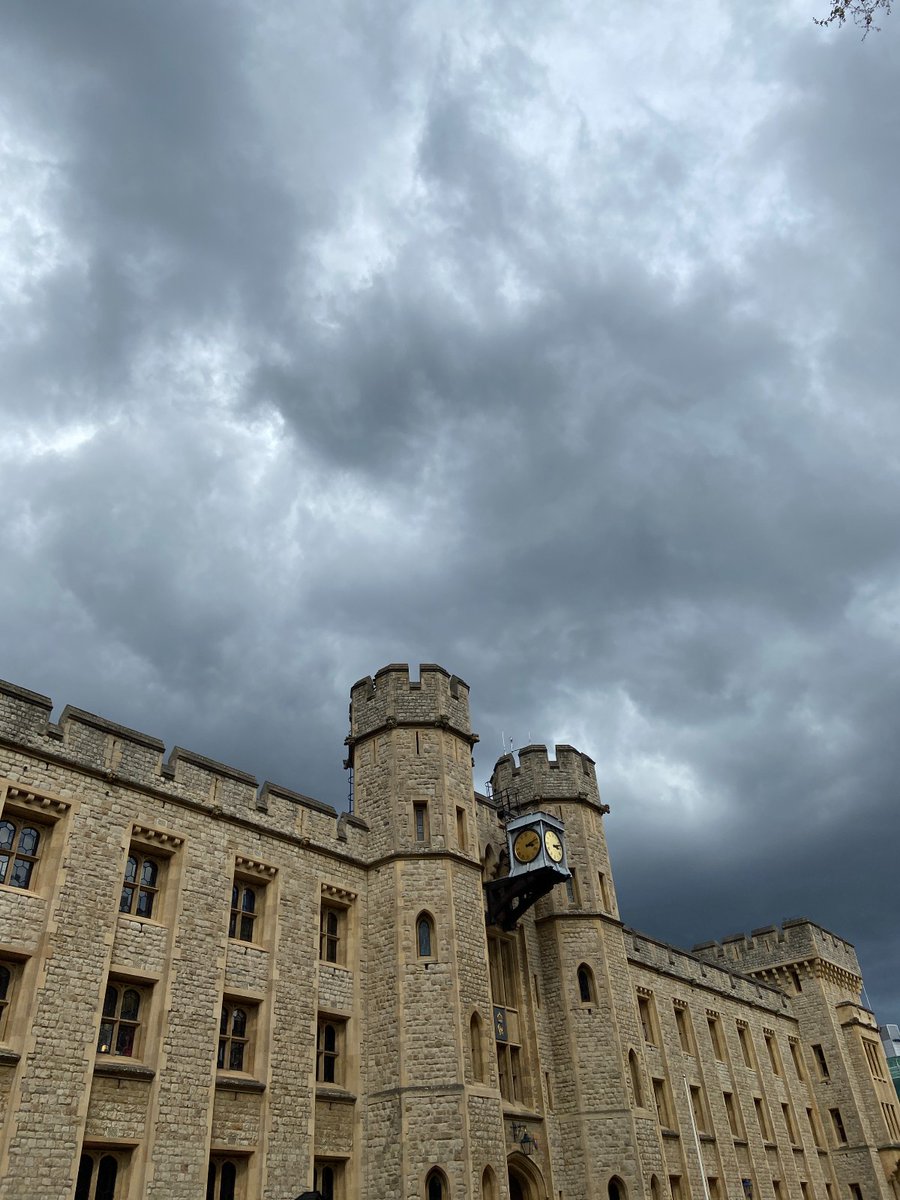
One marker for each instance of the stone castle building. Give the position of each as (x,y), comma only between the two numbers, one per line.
(213,988)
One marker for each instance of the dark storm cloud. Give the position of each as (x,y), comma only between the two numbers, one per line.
(554,350)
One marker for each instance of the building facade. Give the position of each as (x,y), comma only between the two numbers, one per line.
(208,987)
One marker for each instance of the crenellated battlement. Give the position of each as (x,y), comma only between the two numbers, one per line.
(390,698)
(537,777)
(101,747)
(796,940)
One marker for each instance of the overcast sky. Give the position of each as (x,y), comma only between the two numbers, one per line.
(552,343)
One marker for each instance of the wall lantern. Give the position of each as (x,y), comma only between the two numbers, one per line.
(523,1138)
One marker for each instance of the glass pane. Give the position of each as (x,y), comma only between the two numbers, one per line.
(126,899)
(83,1183)
(28,840)
(145,904)
(229,1179)
(131,1003)
(4,982)
(236,1058)
(125,1040)
(21,873)
(235,897)
(239,1022)
(223,1022)
(149,873)
(424,938)
(110,1000)
(7,833)
(104,1041)
(232,926)
(246,929)
(328,1071)
(211,1182)
(131,869)
(332,927)
(106,1178)
(4,863)
(220,1057)
(330,1039)
(249,904)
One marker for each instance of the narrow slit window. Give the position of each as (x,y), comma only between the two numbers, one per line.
(425,936)
(586,985)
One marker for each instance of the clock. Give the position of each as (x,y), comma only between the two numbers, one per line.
(553,845)
(536,849)
(527,845)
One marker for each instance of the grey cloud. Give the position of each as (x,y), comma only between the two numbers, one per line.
(372,368)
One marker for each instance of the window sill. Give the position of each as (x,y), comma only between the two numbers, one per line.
(238,1083)
(249,945)
(707,1137)
(331,1091)
(8,1058)
(669,1133)
(514,1108)
(8,887)
(123,1069)
(133,917)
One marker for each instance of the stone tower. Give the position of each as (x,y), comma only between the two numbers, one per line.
(430,1104)
(843,1063)
(587,1025)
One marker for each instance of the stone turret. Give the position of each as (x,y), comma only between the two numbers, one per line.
(410,749)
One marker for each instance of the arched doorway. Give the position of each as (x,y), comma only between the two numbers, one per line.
(525,1182)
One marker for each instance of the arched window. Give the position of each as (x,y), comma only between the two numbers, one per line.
(424,936)
(325,1180)
(5,989)
(243,912)
(97,1174)
(221,1179)
(635,1079)
(19,849)
(139,886)
(616,1189)
(233,1038)
(655,1193)
(329,1046)
(475,1042)
(436,1185)
(488,1185)
(121,1021)
(586,985)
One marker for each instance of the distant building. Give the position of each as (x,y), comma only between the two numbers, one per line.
(213,988)
(890,1040)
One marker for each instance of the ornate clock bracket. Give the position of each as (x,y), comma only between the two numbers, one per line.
(507,899)
(537,862)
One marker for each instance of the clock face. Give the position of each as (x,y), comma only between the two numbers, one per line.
(527,845)
(553,845)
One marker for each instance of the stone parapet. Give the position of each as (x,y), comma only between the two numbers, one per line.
(390,699)
(796,941)
(120,755)
(538,777)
